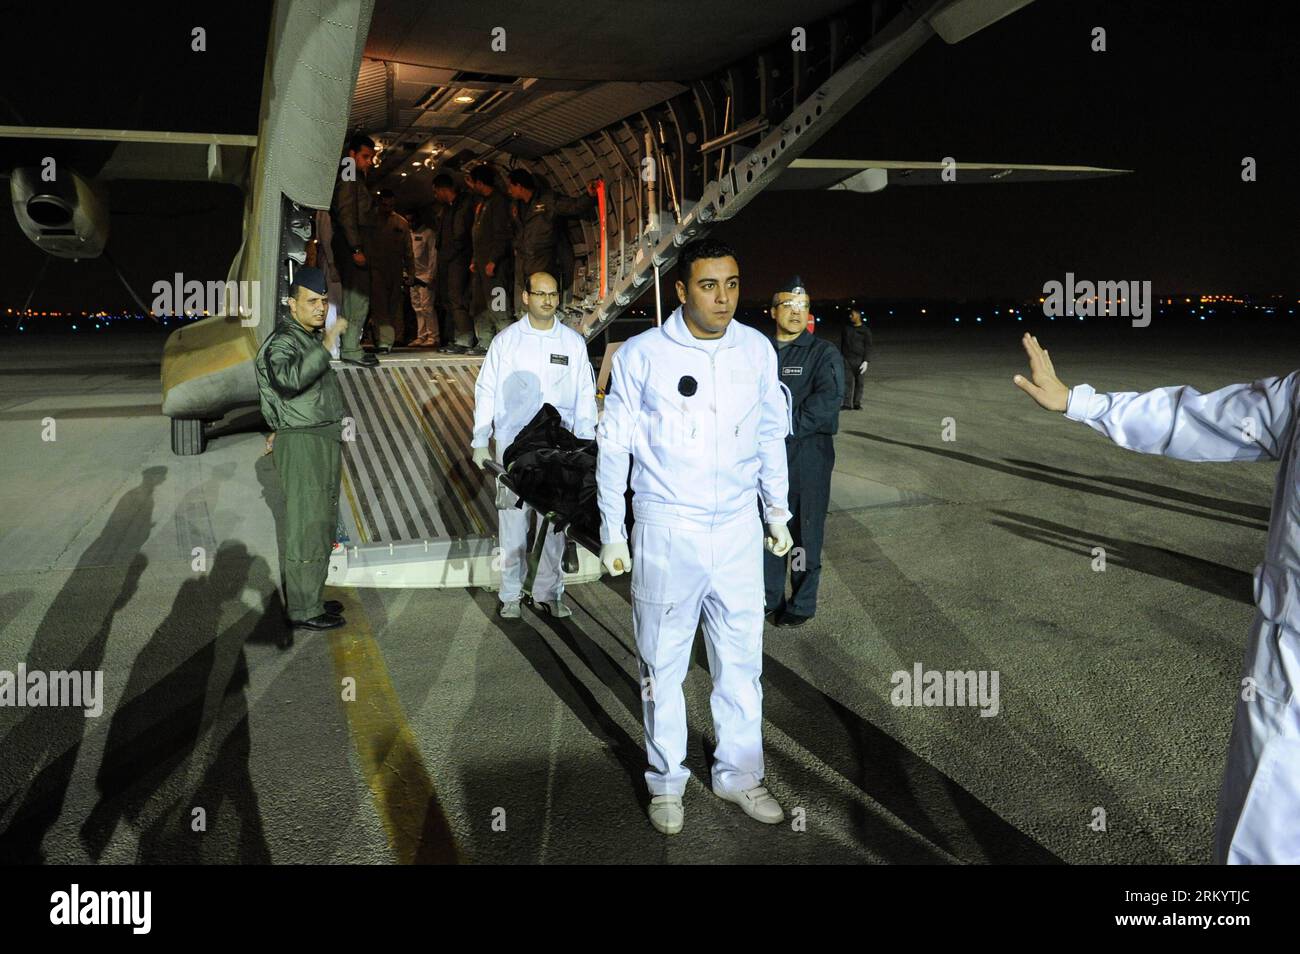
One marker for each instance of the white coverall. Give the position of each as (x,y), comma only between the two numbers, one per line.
(524,369)
(1258,817)
(424,259)
(700,464)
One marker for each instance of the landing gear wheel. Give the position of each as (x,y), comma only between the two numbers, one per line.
(188,437)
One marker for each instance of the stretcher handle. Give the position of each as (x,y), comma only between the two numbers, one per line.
(561,522)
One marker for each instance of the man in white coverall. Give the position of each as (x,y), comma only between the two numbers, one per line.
(535,361)
(698,408)
(1258,817)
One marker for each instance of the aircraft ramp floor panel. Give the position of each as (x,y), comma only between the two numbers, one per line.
(414,510)
(407,474)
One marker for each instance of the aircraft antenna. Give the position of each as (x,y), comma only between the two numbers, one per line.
(45,261)
(127,285)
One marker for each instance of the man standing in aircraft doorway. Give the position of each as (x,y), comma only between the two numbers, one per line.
(541,237)
(390,270)
(491,263)
(355,217)
(696,409)
(424,257)
(455,245)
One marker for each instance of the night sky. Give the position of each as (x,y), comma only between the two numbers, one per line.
(1184,92)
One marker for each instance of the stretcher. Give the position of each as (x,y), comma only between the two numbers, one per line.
(551,519)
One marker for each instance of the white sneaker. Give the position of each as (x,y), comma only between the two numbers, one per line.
(510,610)
(666,813)
(757,802)
(557,608)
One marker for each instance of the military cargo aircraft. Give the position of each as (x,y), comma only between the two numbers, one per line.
(683,111)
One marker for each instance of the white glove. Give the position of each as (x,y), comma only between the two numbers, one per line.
(615,558)
(862,367)
(778,540)
(481,456)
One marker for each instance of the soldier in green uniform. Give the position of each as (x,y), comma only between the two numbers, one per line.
(303,405)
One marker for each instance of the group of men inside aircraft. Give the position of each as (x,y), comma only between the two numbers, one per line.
(464,258)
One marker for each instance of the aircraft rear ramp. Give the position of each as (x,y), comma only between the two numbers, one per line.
(414,511)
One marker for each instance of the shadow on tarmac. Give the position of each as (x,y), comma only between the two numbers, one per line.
(529,784)
(162,719)
(1252,511)
(1213,578)
(1061,478)
(41,751)
(930,803)
(243,420)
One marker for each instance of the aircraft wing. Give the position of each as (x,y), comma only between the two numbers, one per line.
(157,155)
(872,175)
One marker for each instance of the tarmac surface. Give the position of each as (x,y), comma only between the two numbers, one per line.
(478,739)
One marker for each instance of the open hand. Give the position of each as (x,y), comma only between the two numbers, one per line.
(1043,386)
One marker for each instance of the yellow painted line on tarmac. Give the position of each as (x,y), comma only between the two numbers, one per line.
(403,792)
(356,511)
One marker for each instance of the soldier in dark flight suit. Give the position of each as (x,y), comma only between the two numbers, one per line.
(814,372)
(303,404)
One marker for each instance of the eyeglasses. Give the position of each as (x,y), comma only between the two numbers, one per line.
(794,305)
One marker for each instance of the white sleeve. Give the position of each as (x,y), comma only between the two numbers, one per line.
(1240,422)
(485,390)
(584,412)
(773,426)
(615,437)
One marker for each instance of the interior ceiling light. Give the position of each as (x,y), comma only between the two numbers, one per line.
(463,98)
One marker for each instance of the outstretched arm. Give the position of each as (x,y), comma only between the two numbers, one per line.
(1239,422)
